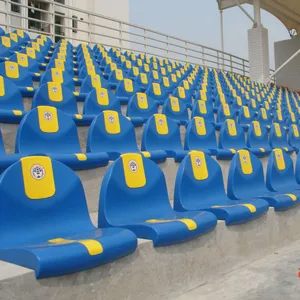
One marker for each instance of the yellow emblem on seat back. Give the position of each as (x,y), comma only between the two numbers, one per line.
(111,122)
(294,127)
(277,129)
(156,89)
(48,119)
(231,127)
(166,82)
(226,109)
(246,112)
(175,104)
(2,87)
(202,107)
(128,85)
(57,75)
(161,124)
(38,177)
(199,166)
(55,91)
(5,40)
(31,52)
(119,74)
(257,128)
(245,162)
(102,96)
(96,81)
(12,69)
(181,92)
(144,78)
(279,158)
(264,113)
(142,100)
(200,126)
(133,168)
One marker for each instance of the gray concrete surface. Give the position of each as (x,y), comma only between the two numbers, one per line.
(274,277)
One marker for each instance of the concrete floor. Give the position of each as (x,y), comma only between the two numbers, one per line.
(275,277)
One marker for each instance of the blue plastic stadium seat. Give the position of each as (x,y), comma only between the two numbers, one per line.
(140,108)
(98,100)
(143,81)
(155,76)
(126,89)
(114,134)
(22,35)
(231,137)
(20,77)
(11,102)
(294,137)
(162,133)
(278,118)
(60,76)
(48,131)
(36,55)
(181,94)
(177,110)
(246,181)
(92,82)
(224,112)
(157,92)
(264,118)
(245,117)
(27,62)
(200,135)
(278,138)
(199,186)
(280,174)
(57,63)
(257,140)
(165,82)
(203,109)
(115,77)
(56,95)
(134,196)
(54,236)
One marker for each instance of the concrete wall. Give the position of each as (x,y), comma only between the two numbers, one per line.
(290,75)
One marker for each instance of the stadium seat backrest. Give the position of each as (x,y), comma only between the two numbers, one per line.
(19,75)
(200,134)
(126,88)
(280,171)
(58,75)
(136,187)
(111,132)
(175,109)
(25,61)
(225,112)
(264,117)
(140,105)
(231,136)
(57,95)
(257,136)
(198,177)
(44,198)
(100,99)
(93,82)
(157,91)
(278,136)
(245,115)
(294,136)
(203,109)
(10,96)
(161,133)
(245,177)
(47,130)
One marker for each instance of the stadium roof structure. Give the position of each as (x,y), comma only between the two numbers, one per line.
(287,11)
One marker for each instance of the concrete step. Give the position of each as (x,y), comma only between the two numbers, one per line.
(272,277)
(165,272)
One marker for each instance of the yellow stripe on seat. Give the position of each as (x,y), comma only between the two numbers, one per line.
(232,150)
(17,112)
(251,207)
(93,247)
(292,196)
(146,154)
(81,156)
(78,116)
(190,224)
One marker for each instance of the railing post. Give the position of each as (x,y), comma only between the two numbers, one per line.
(231,70)
(145,41)
(186,52)
(167,46)
(218,60)
(244,71)
(7,16)
(52,26)
(90,29)
(203,56)
(121,35)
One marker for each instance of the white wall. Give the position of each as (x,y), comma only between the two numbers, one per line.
(289,76)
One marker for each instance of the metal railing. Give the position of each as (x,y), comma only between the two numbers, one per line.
(62,21)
